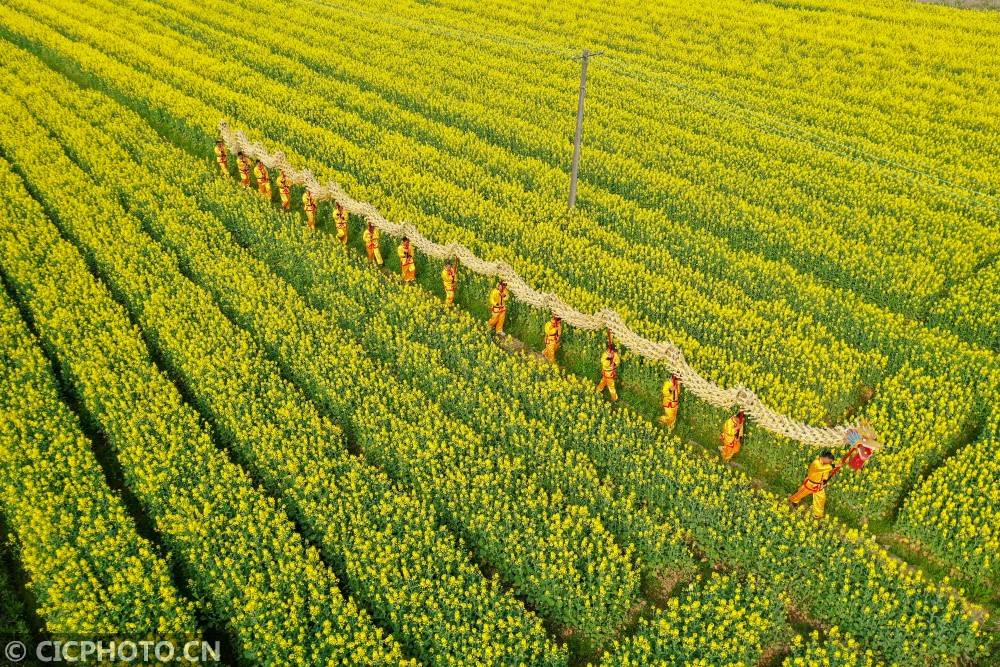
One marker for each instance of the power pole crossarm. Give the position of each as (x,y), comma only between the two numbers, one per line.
(585,59)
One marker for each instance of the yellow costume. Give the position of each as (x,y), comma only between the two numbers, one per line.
(340,218)
(449,277)
(553,332)
(815,484)
(732,437)
(263,180)
(498,309)
(243,163)
(309,204)
(222,158)
(372,246)
(284,190)
(406,266)
(671,402)
(609,373)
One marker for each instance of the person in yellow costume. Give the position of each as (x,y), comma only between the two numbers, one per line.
(243,164)
(732,436)
(221,157)
(309,204)
(263,179)
(818,476)
(372,244)
(498,308)
(340,219)
(406,265)
(449,278)
(553,334)
(285,190)
(671,401)
(610,361)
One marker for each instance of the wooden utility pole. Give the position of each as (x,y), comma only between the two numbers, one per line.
(585,59)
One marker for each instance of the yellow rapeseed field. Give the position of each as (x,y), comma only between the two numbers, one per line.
(218,422)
